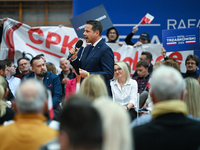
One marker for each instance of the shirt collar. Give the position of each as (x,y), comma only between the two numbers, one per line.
(96,42)
(127,82)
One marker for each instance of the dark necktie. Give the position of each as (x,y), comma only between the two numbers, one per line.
(91,47)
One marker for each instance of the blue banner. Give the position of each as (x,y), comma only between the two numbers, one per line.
(181,39)
(98,13)
(125,14)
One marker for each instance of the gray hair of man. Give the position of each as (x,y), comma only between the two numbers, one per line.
(31,96)
(63,58)
(167,84)
(116,131)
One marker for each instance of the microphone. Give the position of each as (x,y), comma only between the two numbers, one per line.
(78,45)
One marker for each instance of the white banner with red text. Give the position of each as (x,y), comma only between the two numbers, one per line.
(55,42)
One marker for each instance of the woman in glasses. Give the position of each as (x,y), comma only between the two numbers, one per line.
(124,89)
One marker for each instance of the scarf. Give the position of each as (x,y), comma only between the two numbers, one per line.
(169,106)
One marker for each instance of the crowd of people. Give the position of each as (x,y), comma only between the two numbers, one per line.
(96,103)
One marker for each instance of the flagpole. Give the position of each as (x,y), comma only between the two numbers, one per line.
(139,23)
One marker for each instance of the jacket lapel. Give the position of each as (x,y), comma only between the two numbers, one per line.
(92,53)
(86,51)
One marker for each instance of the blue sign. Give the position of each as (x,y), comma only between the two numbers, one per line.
(125,14)
(181,39)
(98,13)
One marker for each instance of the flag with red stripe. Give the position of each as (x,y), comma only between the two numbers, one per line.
(147,18)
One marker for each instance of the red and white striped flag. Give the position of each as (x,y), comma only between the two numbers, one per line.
(147,18)
(149,83)
(50,105)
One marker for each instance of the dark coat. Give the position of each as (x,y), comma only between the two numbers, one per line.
(172,131)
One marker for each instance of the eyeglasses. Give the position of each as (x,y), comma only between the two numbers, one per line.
(118,69)
(112,32)
(192,63)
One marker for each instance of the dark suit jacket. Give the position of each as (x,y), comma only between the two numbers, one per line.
(99,61)
(52,82)
(170,131)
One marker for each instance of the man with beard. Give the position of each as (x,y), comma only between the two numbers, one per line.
(50,80)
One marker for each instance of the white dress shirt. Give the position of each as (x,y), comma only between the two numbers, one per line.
(125,95)
(13,83)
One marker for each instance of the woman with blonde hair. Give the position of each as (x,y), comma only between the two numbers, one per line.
(117,134)
(192,99)
(124,89)
(93,86)
(51,67)
(6,113)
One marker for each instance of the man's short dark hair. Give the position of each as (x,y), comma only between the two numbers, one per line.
(9,62)
(35,58)
(96,25)
(82,123)
(193,57)
(143,63)
(40,55)
(2,65)
(148,54)
(26,58)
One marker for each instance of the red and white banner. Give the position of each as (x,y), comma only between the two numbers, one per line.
(55,42)
(131,55)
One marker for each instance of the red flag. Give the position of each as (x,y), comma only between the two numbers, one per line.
(50,105)
(147,18)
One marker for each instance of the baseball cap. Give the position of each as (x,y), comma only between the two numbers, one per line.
(144,35)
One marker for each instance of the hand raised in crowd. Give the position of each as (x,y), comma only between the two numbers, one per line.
(64,80)
(74,52)
(120,43)
(137,44)
(60,25)
(83,73)
(135,29)
(163,52)
(2,22)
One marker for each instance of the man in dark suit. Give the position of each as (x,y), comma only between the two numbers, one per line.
(169,129)
(50,80)
(97,58)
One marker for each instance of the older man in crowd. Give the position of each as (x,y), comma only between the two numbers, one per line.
(65,74)
(169,128)
(24,67)
(28,131)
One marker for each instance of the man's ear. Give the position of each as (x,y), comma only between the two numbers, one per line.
(147,69)
(1,72)
(97,32)
(32,69)
(154,99)
(45,108)
(184,94)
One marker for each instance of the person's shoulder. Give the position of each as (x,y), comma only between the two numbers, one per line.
(132,81)
(31,74)
(51,75)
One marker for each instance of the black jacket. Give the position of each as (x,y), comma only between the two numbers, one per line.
(172,131)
